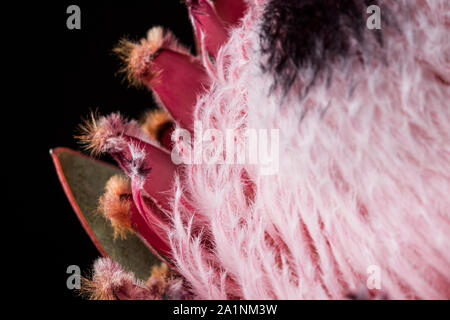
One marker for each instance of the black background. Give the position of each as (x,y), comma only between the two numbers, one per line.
(83,77)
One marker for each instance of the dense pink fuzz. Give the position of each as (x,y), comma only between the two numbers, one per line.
(364,176)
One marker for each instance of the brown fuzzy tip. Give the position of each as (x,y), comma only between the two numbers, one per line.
(161,271)
(92,289)
(96,133)
(88,134)
(115,204)
(156,122)
(109,281)
(159,279)
(137,57)
(100,284)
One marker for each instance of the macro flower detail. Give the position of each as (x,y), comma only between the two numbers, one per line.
(364,174)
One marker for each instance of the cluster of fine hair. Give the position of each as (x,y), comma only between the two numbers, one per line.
(364,172)
(110,281)
(115,204)
(137,56)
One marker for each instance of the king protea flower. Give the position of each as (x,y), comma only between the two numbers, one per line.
(364,173)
